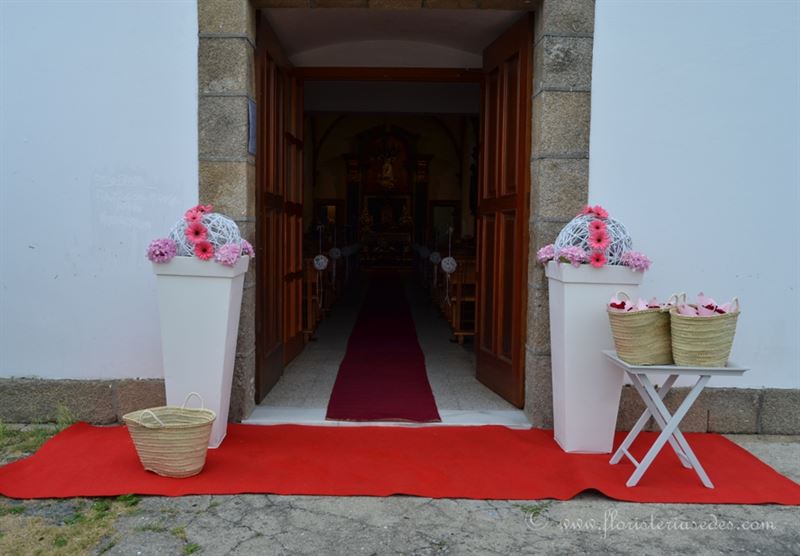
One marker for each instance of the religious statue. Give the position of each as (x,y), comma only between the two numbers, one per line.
(405,219)
(387,173)
(365,221)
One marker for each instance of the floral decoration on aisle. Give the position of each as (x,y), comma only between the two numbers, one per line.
(203,234)
(595,238)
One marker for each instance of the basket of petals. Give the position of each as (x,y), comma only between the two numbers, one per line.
(641,330)
(702,333)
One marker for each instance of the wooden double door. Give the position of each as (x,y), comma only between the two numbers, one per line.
(502,219)
(279,209)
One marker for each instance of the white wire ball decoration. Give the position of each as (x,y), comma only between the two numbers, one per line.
(424,252)
(335,253)
(436,257)
(320,262)
(449,265)
(221,230)
(576,233)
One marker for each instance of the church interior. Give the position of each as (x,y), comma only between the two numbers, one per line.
(390,177)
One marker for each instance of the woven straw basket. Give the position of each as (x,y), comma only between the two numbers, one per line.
(641,337)
(703,341)
(171,441)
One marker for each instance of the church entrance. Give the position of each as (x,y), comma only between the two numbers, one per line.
(368,178)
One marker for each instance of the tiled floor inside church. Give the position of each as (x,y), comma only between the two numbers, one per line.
(302,393)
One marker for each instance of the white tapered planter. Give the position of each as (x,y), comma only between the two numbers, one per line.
(199,302)
(586,386)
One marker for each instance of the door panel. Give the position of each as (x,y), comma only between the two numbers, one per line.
(486,279)
(503,211)
(279,211)
(293,220)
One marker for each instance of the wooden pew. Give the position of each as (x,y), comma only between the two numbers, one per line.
(462,299)
(311,305)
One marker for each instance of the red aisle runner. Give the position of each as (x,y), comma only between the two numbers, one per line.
(382,376)
(489,462)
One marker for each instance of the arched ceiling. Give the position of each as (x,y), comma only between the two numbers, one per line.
(387,38)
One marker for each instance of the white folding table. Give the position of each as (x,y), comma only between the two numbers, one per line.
(653,399)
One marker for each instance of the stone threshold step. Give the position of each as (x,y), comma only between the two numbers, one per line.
(266,415)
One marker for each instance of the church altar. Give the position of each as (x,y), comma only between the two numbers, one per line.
(387,194)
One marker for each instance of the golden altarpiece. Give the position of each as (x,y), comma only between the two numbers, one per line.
(387,195)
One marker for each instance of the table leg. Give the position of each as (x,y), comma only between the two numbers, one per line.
(671,426)
(638,383)
(637,428)
(693,393)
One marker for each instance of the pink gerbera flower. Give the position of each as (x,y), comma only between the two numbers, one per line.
(596,226)
(203,250)
(586,210)
(599,211)
(598,240)
(597,259)
(193,215)
(204,209)
(196,232)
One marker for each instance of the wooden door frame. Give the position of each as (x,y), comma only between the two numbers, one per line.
(429,75)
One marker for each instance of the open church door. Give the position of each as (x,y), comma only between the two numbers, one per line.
(502,225)
(279,206)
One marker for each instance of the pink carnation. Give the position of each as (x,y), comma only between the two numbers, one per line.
(573,255)
(636,261)
(162,250)
(228,254)
(247,249)
(546,253)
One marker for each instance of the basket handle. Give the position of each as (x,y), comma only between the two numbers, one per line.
(677,297)
(736,301)
(622,293)
(154,416)
(189,396)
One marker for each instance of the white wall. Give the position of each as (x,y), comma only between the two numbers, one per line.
(694,146)
(98,123)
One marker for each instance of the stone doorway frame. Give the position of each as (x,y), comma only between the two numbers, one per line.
(562,68)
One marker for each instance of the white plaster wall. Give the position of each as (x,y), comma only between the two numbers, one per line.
(98,123)
(695,145)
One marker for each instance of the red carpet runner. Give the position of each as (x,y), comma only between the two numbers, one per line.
(488,462)
(382,376)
